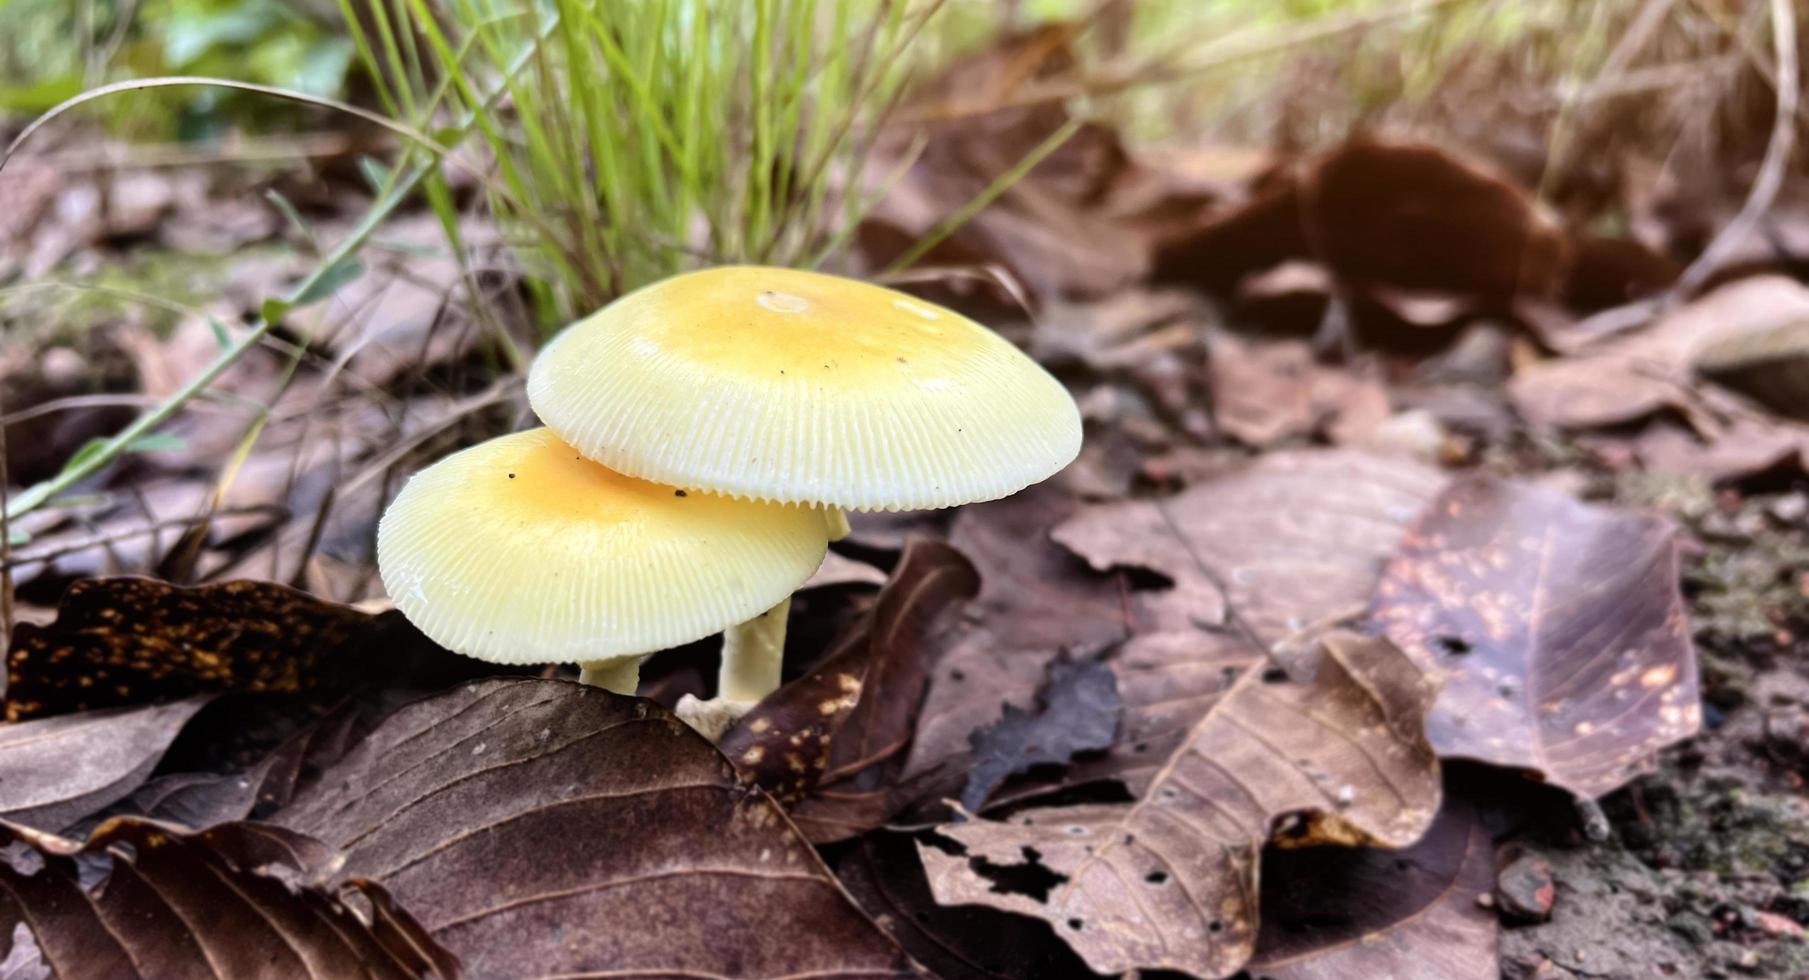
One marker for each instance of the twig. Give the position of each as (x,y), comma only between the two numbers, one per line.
(1764,191)
(6,551)
(1771,169)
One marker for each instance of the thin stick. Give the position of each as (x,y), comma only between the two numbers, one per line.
(1771,169)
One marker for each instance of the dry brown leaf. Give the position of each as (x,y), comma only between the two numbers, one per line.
(1771,365)
(1559,627)
(1410,914)
(1048,230)
(236,900)
(1294,539)
(1414,233)
(1636,376)
(1169,882)
(825,743)
(56,771)
(545,828)
(955,942)
(1268,393)
(129,640)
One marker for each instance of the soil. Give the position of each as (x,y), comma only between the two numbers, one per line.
(1705,868)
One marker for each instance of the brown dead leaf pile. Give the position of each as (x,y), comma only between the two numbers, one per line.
(1194,705)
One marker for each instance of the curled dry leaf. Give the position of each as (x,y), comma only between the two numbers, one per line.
(1412,229)
(1770,365)
(236,900)
(545,828)
(1294,538)
(854,713)
(1077,711)
(129,640)
(1634,377)
(56,771)
(1410,914)
(1559,627)
(1169,882)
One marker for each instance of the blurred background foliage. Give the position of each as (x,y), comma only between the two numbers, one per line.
(53,49)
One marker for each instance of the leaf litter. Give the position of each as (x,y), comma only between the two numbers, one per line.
(1332,389)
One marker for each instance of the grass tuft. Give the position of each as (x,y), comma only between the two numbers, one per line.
(646,137)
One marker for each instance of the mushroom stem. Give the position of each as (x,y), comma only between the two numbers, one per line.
(837,520)
(618,674)
(752,654)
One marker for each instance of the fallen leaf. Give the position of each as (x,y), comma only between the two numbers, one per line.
(56,771)
(129,640)
(1169,882)
(545,828)
(1770,365)
(1410,914)
(1294,539)
(1077,711)
(205,798)
(237,900)
(854,710)
(1417,232)
(1559,627)
(959,942)
(1633,377)
(1418,217)
(1049,229)
(1265,394)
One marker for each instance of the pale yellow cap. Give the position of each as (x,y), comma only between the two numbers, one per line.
(518,550)
(777,384)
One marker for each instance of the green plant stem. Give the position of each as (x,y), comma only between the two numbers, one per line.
(999,186)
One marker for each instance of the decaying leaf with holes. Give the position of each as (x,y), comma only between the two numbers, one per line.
(1410,914)
(120,641)
(842,729)
(1169,882)
(236,900)
(1293,539)
(1559,626)
(56,771)
(545,828)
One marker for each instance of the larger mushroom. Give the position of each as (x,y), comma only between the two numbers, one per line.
(519,550)
(801,388)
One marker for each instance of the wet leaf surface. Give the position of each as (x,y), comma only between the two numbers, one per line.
(237,900)
(56,771)
(1077,711)
(541,828)
(1559,629)
(1410,914)
(130,640)
(1169,881)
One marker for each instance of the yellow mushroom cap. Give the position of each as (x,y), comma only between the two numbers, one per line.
(799,387)
(518,550)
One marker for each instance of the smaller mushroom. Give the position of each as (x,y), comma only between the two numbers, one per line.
(519,551)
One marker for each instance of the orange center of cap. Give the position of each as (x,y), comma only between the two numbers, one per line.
(764,323)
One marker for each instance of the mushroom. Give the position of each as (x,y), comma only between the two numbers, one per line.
(519,550)
(801,388)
